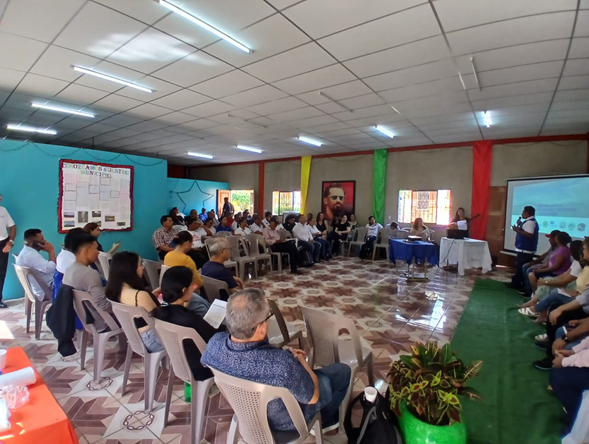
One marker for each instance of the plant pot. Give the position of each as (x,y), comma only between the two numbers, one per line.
(416,431)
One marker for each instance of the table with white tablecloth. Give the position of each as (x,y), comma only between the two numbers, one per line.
(467,253)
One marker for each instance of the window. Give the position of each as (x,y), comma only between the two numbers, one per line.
(286,201)
(432,206)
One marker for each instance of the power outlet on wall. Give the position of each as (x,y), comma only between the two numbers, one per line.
(389,217)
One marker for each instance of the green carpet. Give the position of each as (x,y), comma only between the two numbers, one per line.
(516,407)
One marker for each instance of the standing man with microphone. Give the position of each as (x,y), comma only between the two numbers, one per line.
(526,243)
(7,235)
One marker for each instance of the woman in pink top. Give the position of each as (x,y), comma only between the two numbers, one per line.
(558,263)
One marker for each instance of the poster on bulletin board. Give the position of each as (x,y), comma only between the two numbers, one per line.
(95,192)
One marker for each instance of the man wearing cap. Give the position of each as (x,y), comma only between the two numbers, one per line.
(7,235)
(538,262)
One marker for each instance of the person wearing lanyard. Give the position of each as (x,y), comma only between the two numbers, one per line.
(526,244)
(7,235)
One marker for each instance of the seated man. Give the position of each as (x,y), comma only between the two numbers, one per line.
(198,252)
(212,215)
(279,245)
(203,215)
(372,228)
(81,277)
(162,237)
(247,217)
(215,268)
(245,353)
(30,257)
(302,233)
(266,220)
(318,237)
(257,226)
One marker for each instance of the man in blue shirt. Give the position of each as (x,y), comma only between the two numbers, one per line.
(220,252)
(526,243)
(203,215)
(245,353)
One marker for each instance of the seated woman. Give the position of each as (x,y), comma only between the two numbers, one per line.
(353,221)
(243,229)
(224,225)
(419,229)
(177,290)
(179,257)
(322,225)
(558,263)
(340,233)
(125,285)
(94,229)
(562,288)
(290,222)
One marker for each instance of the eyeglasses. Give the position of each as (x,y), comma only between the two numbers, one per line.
(265,319)
(337,198)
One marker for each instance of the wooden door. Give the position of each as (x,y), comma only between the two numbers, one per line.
(496,222)
(221,195)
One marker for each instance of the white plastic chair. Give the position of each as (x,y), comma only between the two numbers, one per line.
(382,241)
(213,288)
(328,348)
(249,401)
(252,246)
(172,336)
(280,332)
(278,255)
(162,272)
(126,315)
(241,261)
(358,237)
(104,261)
(228,263)
(23,274)
(152,270)
(82,300)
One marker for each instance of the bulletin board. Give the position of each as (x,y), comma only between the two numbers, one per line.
(95,192)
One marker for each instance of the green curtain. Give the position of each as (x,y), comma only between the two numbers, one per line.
(379,184)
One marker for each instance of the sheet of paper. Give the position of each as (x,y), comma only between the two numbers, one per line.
(563,292)
(216,313)
(462,225)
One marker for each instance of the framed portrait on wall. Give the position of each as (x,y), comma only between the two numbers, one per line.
(338,198)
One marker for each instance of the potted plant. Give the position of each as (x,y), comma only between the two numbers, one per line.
(423,393)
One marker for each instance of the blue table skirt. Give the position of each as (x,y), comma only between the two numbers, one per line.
(406,251)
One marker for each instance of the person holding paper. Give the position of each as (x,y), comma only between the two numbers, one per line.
(460,221)
(177,289)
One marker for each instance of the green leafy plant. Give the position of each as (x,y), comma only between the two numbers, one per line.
(430,381)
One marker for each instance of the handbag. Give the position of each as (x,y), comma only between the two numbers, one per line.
(377,425)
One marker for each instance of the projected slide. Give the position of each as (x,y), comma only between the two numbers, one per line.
(560,202)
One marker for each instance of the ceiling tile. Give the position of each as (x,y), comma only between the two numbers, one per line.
(281,4)
(512,32)
(181,99)
(363,101)
(209,109)
(98,31)
(57,63)
(176,118)
(147,12)
(254,96)
(42,86)
(579,48)
(9,78)
(512,89)
(160,89)
(149,111)
(576,67)
(337,92)
(80,95)
(318,79)
(227,84)
(290,63)
(422,90)
(523,73)
(277,106)
(513,100)
(407,26)
(297,114)
(163,50)
(44,23)
(116,103)
(19,52)
(322,17)
(582,27)
(576,82)
(572,95)
(428,72)
(195,68)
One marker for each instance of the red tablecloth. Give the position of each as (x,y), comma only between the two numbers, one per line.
(41,420)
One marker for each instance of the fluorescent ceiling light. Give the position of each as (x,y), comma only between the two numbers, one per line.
(311,141)
(385,131)
(247,148)
(487,119)
(61,110)
(204,156)
(204,25)
(111,79)
(30,129)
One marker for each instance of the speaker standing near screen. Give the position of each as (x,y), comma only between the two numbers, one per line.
(526,243)
(7,235)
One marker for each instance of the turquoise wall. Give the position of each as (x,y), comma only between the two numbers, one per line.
(188,194)
(29,176)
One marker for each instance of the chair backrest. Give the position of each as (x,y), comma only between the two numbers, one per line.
(235,242)
(104,261)
(279,320)
(208,242)
(172,336)
(126,315)
(359,234)
(384,235)
(152,268)
(253,242)
(83,299)
(401,234)
(222,234)
(24,275)
(162,272)
(284,234)
(323,333)
(213,288)
(249,401)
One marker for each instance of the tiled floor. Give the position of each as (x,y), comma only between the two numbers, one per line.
(390,313)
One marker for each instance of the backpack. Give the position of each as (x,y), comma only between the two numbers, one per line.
(366,250)
(378,425)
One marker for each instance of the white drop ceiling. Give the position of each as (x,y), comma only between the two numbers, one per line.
(531,57)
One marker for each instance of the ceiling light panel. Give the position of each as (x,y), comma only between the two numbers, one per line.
(111,78)
(60,109)
(30,129)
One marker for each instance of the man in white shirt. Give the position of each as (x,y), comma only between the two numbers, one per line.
(266,220)
(305,238)
(30,257)
(257,226)
(242,230)
(318,237)
(7,236)
(372,228)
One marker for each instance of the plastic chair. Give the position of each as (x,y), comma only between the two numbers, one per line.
(104,261)
(278,255)
(162,272)
(241,261)
(213,288)
(327,348)
(172,336)
(126,315)
(81,301)
(382,241)
(152,270)
(252,245)
(280,332)
(23,274)
(222,234)
(249,400)
(285,234)
(358,238)
(228,263)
